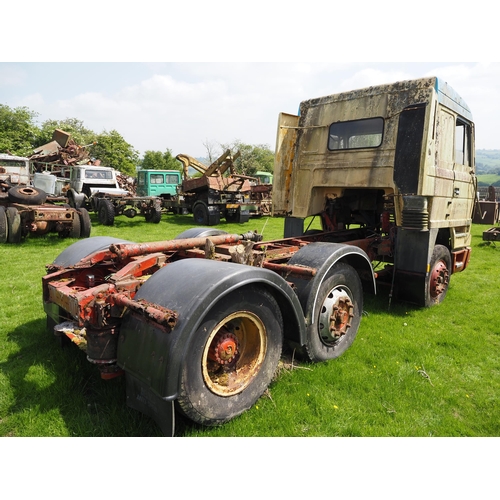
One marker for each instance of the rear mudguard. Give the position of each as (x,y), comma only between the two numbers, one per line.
(323,257)
(190,287)
(83,248)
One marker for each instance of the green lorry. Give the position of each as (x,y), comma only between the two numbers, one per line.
(160,183)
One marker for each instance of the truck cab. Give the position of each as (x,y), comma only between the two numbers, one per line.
(264,177)
(14,170)
(396,161)
(160,183)
(89,179)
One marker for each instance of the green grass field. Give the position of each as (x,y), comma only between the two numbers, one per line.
(410,371)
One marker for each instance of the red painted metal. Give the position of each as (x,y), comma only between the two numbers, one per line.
(164,317)
(439,279)
(224,348)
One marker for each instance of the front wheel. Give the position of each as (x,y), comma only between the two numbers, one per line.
(106,213)
(233,357)
(336,314)
(438,279)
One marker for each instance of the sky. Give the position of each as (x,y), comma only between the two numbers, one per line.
(188,106)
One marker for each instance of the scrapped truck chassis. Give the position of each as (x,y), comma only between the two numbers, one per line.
(91,298)
(107,206)
(18,220)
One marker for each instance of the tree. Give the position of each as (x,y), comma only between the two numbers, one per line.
(253,157)
(212,151)
(156,160)
(113,151)
(80,134)
(17,130)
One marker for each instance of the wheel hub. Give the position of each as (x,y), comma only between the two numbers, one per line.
(335,316)
(224,348)
(234,353)
(28,191)
(439,279)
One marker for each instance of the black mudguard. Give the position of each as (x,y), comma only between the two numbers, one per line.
(190,287)
(323,257)
(83,248)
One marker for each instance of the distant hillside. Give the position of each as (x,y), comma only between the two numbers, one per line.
(488,161)
(488,167)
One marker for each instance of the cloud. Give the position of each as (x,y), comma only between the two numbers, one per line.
(33,101)
(11,76)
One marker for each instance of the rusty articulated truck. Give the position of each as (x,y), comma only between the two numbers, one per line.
(197,324)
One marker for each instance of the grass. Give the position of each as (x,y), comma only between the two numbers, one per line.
(410,371)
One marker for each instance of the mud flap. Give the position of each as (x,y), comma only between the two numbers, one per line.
(213,216)
(410,288)
(244,216)
(141,398)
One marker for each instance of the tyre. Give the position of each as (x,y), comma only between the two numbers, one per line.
(201,213)
(153,215)
(438,279)
(76,229)
(336,314)
(232,357)
(199,232)
(85,223)
(3,226)
(231,216)
(27,195)
(14,228)
(106,212)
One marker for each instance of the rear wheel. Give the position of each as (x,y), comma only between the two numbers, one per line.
(27,195)
(438,279)
(201,213)
(232,358)
(76,227)
(106,212)
(153,215)
(14,228)
(85,223)
(3,226)
(336,314)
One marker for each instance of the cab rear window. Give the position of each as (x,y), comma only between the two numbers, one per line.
(356,134)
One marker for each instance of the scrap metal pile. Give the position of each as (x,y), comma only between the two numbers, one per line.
(127,183)
(63,152)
